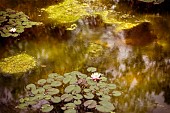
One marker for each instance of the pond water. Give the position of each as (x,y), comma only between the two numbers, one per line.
(138,64)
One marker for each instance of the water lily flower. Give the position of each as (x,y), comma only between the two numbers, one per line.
(13,30)
(96,76)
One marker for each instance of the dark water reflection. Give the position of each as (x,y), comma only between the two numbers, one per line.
(142,72)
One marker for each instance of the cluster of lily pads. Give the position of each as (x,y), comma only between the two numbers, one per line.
(71,93)
(12,23)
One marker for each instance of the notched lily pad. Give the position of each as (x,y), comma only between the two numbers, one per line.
(55,99)
(31,87)
(47,108)
(41,81)
(90,104)
(89,96)
(91,69)
(116,93)
(56,83)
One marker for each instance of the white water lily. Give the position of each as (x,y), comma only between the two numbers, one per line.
(96,76)
(13,30)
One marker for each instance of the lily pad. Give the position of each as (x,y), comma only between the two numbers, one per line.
(90,104)
(70,111)
(41,81)
(52,91)
(55,99)
(116,93)
(66,97)
(47,108)
(89,96)
(77,102)
(91,69)
(56,83)
(77,96)
(69,88)
(67,79)
(31,87)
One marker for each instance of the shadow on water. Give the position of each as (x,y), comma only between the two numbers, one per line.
(136,59)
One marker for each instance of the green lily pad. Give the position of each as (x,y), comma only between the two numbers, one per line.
(41,81)
(94,88)
(87,90)
(82,76)
(31,87)
(77,96)
(69,88)
(55,99)
(112,86)
(105,98)
(70,111)
(76,90)
(22,106)
(73,80)
(103,79)
(50,80)
(67,97)
(52,91)
(90,104)
(116,93)
(21,100)
(47,96)
(56,83)
(89,96)
(53,75)
(47,108)
(107,104)
(67,79)
(91,69)
(70,105)
(77,102)
(47,86)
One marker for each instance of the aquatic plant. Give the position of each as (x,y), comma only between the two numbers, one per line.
(17,64)
(153,1)
(70,93)
(67,12)
(13,23)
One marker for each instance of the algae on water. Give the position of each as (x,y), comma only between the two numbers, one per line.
(17,64)
(67,12)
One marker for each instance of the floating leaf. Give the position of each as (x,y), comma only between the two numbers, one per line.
(22,106)
(102,109)
(91,69)
(21,100)
(112,86)
(53,75)
(70,105)
(47,108)
(77,102)
(55,99)
(82,76)
(50,80)
(31,87)
(103,79)
(93,88)
(90,104)
(107,104)
(87,90)
(116,93)
(52,91)
(78,96)
(69,88)
(41,81)
(59,78)
(56,83)
(70,111)
(67,79)
(47,96)
(66,97)
(73,80)
(47,86)
(89,96)
(77,89)
(105,98)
